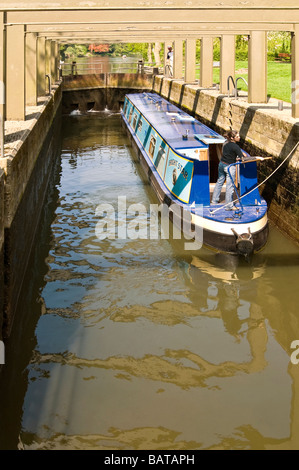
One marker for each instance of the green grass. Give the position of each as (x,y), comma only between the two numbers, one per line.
(279,79)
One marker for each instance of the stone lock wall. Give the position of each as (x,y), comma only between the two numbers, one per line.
(1,250)
(99,91)
(30,153)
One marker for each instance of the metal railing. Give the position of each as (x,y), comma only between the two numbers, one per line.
(94,65)
(235,85)
(98,66)
(245,81)
(230,78)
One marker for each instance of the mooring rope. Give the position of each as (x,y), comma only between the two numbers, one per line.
(263,182)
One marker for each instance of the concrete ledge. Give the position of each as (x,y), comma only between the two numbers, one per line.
(272,131)
(23,142)
(264,130)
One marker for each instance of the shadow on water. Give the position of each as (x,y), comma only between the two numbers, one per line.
(22,341)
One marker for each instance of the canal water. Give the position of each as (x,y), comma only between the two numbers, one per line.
(136,343)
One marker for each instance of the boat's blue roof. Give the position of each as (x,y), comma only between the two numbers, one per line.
(171,122)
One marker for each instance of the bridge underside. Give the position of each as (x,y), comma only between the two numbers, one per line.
(32,31)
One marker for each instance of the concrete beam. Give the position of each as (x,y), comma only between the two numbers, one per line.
(227,60)
(2,79)
(257,67)
(41,66)
(124,26)
(57,61)
(15,73)
(206,62)
(20,5)
(166,44)
(295,72)
(53,61)
(190,60)
(217,14)
(48,56)
(127,36)
(31,69)
(178,59)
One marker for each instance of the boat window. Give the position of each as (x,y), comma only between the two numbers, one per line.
(130,115)
(125,107)
(134,121)
(152,146)
(140,126)
(161,153)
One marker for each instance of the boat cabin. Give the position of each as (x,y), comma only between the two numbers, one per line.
(184,152)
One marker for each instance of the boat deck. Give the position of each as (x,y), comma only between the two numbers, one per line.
(174,124)
(219,213)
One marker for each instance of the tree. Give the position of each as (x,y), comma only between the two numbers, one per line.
(98,48)
(149,52)
(72,51)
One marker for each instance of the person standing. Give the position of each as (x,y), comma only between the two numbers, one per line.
(170,54)
(169,66)
(231,153)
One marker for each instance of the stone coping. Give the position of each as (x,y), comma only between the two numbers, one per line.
(270,108)
(16,132)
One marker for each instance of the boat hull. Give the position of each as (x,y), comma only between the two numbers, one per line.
(213,239)
(241,239)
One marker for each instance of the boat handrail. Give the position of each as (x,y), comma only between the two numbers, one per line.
(232,179)
(242,162)
(265,180)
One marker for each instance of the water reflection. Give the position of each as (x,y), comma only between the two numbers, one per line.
(117,439)
(136,344)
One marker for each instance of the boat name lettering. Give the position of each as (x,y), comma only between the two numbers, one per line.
(179,166)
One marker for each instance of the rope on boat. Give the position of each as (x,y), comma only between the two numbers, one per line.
(263,182)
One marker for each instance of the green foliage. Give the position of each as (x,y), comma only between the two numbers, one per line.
(241,47)
(129,49)
(279,74)
(278,41)
(198,51)
(73,51)
(216,49)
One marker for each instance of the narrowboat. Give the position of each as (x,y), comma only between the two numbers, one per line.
(180,156)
